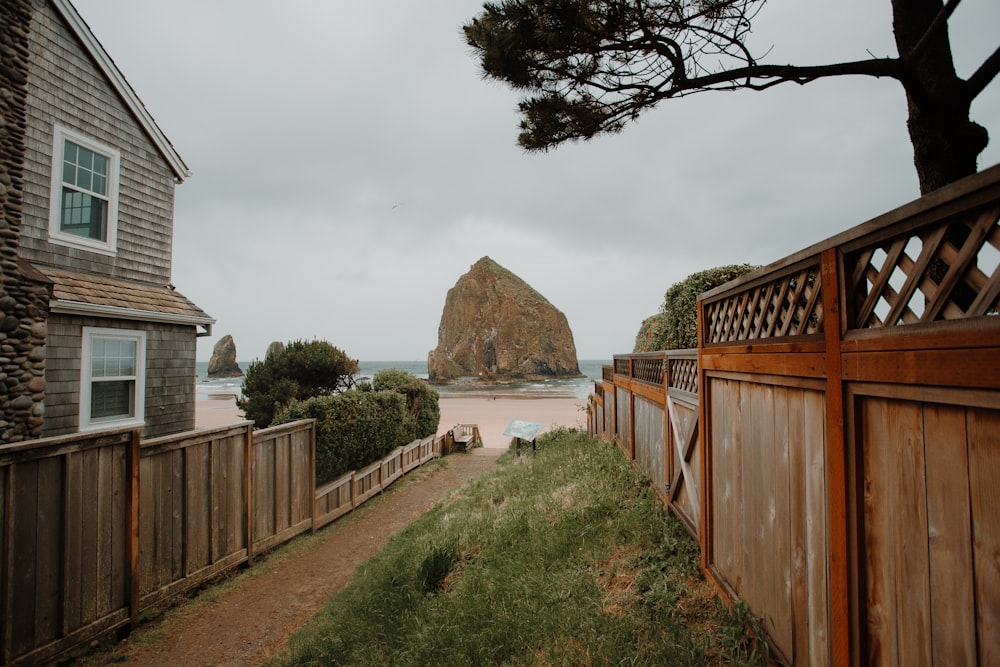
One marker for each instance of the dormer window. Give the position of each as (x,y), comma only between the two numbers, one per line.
(84,206)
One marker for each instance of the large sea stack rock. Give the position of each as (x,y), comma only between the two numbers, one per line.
(223,362)
(496,327)
(276,347)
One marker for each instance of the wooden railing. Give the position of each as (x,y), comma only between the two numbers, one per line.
(99,527)
(842,479)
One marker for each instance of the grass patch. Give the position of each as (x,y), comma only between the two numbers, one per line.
(563,556)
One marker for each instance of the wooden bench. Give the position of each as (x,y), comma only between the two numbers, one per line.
(463,435)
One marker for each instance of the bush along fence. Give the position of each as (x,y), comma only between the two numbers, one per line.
(838,451)
(99,527)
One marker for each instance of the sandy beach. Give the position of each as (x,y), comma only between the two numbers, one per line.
(491,413)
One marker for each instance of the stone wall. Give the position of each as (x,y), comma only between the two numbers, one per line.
(24,293)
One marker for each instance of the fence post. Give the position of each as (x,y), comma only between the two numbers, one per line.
(706,446)
(132,500)
(631,410)
(312,473)
(248,484)
(836,459)
(668,458)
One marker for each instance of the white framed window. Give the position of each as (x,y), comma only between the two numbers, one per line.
(112,378)
(83,210)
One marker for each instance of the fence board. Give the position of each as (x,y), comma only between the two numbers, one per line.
(89,533)
(650,442)
(333,500)
(282,505)
(198,531)
(623,422)
(392,467)
(779,518)
(366,482)
(610,401)
(303,476)
(105,528)
(798,535)
(816,529)
(984,468)
(411,456)
(47,548)
(264,487)
(22,585)
(948,517)
(72,575)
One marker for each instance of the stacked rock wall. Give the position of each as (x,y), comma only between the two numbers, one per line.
(24,293)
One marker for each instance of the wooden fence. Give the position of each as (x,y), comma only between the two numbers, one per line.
(99,527)
(648,405)
(843,478)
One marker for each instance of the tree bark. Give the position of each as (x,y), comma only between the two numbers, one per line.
(946,143)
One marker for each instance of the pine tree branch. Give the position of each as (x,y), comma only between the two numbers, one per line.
(983,76)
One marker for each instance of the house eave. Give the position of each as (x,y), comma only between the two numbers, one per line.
(79,308)
(122,86)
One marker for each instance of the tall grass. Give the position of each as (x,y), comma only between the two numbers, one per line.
(562,556)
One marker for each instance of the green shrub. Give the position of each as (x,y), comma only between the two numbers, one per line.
(675,327)
(353,428)
(423,413)
(299,371)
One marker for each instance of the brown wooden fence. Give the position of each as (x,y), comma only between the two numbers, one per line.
(648,405)
(99,527)
(843,480)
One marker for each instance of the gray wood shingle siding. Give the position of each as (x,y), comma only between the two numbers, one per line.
(74,89)
(170,374)
(65,87)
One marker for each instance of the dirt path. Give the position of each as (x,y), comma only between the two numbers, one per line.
(252,621)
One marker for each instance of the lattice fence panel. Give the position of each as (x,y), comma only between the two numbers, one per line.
(684,375)
(790,305)
(945,273)
(648,370)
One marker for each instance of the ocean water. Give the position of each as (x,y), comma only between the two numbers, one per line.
(207,388)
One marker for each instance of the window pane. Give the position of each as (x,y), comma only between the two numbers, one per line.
(99,184)
(69,172)
(72,203)
(97,358)
(83,178)
(84,215)
(100,164)
(112,357)
(69,152)
(112,399)
(85,158)
(127,358)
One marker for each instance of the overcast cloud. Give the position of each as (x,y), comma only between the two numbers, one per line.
(349,164)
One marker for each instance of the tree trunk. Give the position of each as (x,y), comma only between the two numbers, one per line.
(946,143)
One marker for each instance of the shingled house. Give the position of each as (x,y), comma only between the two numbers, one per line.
(93,335)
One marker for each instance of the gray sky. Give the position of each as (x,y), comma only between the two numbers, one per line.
(349,164)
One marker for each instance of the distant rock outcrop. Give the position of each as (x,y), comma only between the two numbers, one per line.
(223,362)
(276,347)
(495,327)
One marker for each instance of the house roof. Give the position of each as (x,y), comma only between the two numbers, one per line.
(100,296)
(124,89)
